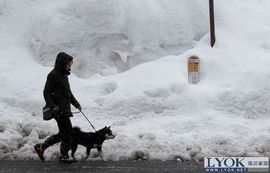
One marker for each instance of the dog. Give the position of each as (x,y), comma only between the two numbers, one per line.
(90,140)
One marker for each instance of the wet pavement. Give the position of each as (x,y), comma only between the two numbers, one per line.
(36,166)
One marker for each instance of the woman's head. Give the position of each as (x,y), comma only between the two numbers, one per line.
(63,63)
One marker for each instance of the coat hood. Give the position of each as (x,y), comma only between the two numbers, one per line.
(61,60)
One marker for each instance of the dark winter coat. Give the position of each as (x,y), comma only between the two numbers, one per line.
(57,89)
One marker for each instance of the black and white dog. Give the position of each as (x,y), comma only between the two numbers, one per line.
(90,140)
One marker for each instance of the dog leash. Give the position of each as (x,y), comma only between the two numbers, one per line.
(88,121)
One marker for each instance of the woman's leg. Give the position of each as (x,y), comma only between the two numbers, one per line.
(41,147)
(65,130)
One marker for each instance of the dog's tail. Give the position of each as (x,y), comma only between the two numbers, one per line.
(76,130)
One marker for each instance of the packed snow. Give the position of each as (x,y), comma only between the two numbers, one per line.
(130,72)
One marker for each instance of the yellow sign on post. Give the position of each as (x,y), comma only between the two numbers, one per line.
(193,70)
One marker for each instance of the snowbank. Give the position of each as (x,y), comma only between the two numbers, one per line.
(108,37)
(152,108)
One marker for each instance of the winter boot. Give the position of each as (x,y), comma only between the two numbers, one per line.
(39,148)
(64,158)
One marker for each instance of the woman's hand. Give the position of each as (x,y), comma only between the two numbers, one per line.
(55,109)
(79,108)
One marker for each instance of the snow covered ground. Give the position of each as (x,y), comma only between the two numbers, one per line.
(150,106)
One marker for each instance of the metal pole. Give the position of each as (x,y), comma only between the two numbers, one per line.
(212,22)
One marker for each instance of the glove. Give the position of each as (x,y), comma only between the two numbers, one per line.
(55,109)
(79,107)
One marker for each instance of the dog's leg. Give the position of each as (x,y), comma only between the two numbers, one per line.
(88,149)
(100,153)
(73,150)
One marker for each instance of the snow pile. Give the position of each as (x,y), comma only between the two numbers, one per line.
(109,37)
(2,8)
(152,108)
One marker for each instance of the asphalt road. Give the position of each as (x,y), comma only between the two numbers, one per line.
(35,166)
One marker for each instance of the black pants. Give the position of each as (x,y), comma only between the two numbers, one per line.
(65,131)
(64,136)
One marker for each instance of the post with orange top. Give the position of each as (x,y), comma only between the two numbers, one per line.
(193,70)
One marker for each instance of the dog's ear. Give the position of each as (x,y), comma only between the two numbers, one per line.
(109,127)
